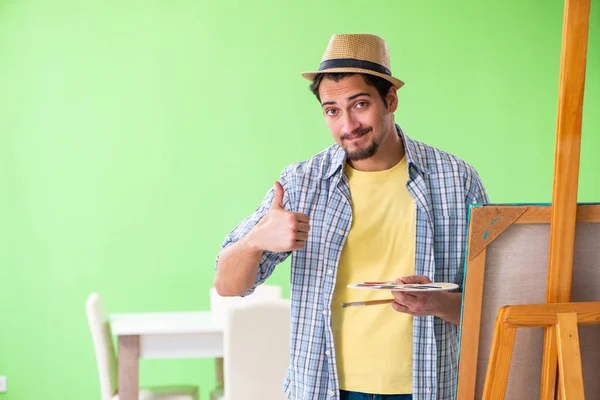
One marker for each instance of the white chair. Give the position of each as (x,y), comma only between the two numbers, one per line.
(107,360)
(219,307)
(257,349)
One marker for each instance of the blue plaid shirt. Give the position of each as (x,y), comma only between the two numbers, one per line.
(443,186)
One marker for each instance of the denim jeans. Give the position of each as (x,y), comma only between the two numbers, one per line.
(366,396)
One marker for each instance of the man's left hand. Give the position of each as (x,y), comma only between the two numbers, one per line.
(420,304)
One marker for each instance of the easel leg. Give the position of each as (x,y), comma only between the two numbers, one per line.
(569,357)
(496,378)
(548,382)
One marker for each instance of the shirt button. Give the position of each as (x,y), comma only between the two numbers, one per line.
(332,393)
(327,352)
(342,232)
(324,312)
(329,272)
(428,390)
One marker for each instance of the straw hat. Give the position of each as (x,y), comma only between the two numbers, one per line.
(360,53)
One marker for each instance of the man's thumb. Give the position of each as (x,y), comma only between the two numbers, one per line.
(278,199)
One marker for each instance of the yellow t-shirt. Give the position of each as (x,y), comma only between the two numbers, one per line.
(373,344)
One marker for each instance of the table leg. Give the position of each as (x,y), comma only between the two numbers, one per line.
(217,393)
(129,354)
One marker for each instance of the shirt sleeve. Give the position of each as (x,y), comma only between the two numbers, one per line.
(269,259)
(476,193)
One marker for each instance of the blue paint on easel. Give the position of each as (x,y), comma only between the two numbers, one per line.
(487,232)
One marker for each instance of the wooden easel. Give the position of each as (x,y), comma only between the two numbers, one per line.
(560,320)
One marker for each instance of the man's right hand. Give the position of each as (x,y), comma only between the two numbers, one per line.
(280,230)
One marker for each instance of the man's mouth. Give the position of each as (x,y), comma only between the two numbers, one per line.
(357,135)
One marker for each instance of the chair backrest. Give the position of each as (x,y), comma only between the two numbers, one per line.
(103,346)
(219,304)
(257,350)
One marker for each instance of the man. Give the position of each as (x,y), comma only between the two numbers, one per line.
(375,206)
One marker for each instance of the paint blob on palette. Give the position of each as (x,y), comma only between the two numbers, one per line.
(412,287)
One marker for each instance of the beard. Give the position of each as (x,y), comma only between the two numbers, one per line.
(364,153)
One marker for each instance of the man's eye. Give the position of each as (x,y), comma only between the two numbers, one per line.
(361,104)
(331,112)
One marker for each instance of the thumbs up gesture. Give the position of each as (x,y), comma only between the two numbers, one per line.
(280,230)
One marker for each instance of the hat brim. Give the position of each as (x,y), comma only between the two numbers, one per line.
(312,75)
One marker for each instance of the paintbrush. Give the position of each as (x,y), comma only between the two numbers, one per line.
(367,303)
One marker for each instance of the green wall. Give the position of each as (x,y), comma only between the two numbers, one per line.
(135,134)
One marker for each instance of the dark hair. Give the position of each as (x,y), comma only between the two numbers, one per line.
(382,85)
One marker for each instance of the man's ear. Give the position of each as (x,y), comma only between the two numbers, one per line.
(392,99)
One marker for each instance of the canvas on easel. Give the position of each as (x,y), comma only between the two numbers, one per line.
(507,263)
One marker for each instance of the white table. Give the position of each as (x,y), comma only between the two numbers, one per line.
(162,335)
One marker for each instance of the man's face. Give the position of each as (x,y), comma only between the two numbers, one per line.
(356,115)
